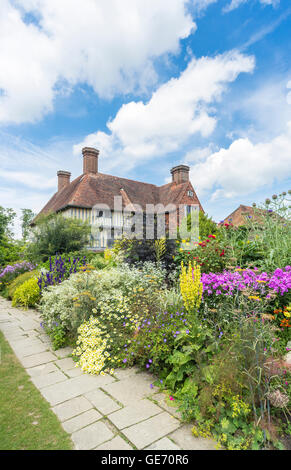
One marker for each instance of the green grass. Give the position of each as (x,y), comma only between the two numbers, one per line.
(26,420)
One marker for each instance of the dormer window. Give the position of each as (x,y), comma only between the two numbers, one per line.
(190,193)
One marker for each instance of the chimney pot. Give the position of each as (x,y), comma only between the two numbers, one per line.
(180,174)
(90,160)
(63,179)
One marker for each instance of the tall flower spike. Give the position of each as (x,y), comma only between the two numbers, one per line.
(191,286)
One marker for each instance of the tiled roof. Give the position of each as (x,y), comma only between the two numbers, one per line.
(238,217)
(90,189)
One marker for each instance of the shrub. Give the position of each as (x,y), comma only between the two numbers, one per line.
(57,234)
(19,280)
(70,303)
(57,334)
(27,295)
(10,272)
(206,225)
(134,251)
(210,254)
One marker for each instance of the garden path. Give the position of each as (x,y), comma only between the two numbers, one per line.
(123,412)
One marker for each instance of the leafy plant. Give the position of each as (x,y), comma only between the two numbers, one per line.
(27,295)
(57,234)
(19,280)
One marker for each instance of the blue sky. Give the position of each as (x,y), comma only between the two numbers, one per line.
(151,84)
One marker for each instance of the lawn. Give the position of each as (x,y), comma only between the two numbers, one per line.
(26,420)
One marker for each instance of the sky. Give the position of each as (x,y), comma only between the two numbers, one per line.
(151,84)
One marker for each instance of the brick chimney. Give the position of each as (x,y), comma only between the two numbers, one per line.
(63,179)
(90,160)
(180,174)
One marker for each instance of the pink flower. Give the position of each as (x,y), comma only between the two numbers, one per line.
(171,398)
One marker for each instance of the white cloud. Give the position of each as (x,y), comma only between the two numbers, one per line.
(30,179)
(236,3)
(244,167)
(176,111)
(108,44)
(201,5)
(263,109)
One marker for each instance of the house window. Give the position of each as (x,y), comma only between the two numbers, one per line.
(190,193)
(188,210)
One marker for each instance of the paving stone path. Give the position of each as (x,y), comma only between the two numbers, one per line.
(99,412)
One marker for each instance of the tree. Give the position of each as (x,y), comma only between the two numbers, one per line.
(27,217)
(54,233)
(9,249)
(6,219)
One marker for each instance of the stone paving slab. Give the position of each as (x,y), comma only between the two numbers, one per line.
(74,372)
(134,413)
(43,369)
(160,398)
(71,408)
(30,350)
(99,412)
(121,374)
(37,359)
(163,444)
(185,439)
(42,381)
(131,388)
(80,421)
(74,387)
(102,402)
(24,342)
(66,363)
(146,432)
(29,325)
(91,436)
(63,352)
(117,443)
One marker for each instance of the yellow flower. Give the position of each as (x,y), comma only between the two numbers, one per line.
(191,286)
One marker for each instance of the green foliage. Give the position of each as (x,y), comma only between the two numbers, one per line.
(27,294)
(71,302)
(57,234)
(206,225)
(19,280)
(160,248)
(58,336)
(26,218)
(265,239)
(7,217)
(211,254)
(10,250)
(138,251)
